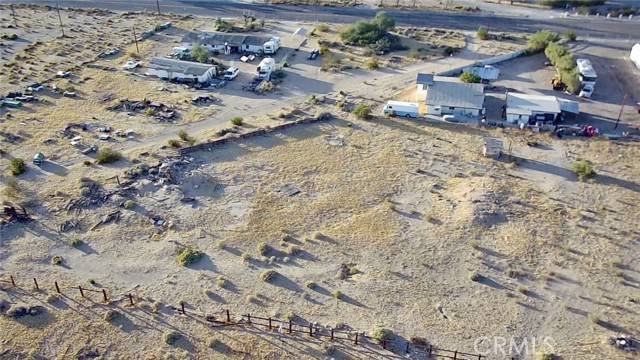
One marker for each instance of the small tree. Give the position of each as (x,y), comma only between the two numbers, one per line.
(200,54)
(17,166)
(570,35)
(482,33)
(468,77)
(584,169)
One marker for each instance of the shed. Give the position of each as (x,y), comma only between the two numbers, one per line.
(38,158)
(529,109)
(181,70)
(227,43)
(486,73)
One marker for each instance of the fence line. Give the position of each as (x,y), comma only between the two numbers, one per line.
(269,324)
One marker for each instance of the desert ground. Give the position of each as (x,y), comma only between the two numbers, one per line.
(342,222)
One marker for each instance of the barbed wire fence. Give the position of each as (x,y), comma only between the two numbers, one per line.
(303,331)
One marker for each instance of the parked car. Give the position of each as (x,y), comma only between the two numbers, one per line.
(313,54)
(231,73)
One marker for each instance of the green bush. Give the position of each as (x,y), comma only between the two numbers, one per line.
(331,61)
(189,255)
(539,41)
(237,121)
(324,50)
(362,111)
(108,156)
(200,54)
(468,77)
(149,112)
(571,79)
(17,166)
(129,204)
(382,334)
(373,34)
(570,35)
(222,25)
(184,136)
(483,33)
(584,169)
(171,337)
(174,143)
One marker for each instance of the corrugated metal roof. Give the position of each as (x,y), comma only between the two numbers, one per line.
(219,38)
(569,106)
(425,79)
(486,72)
(184,67)
(455,94)
(526,104)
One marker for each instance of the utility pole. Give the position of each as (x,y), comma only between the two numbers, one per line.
(13,12)
(60,18)
(135,39)
(158,6)
(624,100)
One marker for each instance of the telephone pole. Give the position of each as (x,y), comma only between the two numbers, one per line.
(158,6)
(135,39)
(624,100)
(60,18)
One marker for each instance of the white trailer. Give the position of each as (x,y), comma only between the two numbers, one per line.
(265,68)
(271,47)
(635,55)
(588,77)
(401,108)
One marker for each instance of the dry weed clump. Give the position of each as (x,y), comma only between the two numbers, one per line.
(268,275)
(171,337)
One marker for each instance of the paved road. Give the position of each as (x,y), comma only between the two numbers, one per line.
(591,27)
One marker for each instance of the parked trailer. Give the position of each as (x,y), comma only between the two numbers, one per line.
(401,108)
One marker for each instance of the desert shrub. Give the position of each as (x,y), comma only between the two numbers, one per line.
(268,275)
(237,121)
(221,245)
(584,169)
(373,34)
(310,285)
(289,316)
(221,282)
(545,356)
(129,204)
(247,257)
(362,111)
(57,260)
(150,112)
(382,334)
(322,27)
(9,37)
(222,25)
(174,143)
(87,163)
(594,318)
(262,248)
(110,315)
(184,136)
(468,77)
(482,33)
(189,255)
(337,294)
(134,55)
(293,250)
(372,63)
(523,289)
(324,49)
(17,166)
(75,242)
(171,337)
(108,156)
(539,41)
(331,62)
(474,276)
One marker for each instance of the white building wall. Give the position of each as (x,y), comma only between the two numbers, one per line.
(447,110)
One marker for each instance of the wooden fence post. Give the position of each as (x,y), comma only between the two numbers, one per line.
(384,344)
(104,295)
(331,334)
(57,287)
(81,292)
(455,355)
(35,282)
(356,342)
(13,282)
(182,307)
(406,350)
(269,323)
(130,299)
(290,326)
(249,318)
(228,316)
(310,329)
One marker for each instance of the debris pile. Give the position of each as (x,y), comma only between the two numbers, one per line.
(158,110)
(11,213)
(623,342)
(92,195)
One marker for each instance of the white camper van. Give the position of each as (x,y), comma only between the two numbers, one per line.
(265,68)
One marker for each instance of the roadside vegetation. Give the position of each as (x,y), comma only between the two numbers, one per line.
(17,167)
(373,34)
(558,55)
(468,77)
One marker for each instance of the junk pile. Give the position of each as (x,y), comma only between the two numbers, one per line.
(92,195)
(13,213)
(159,111)
(163,173)
(624,342)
